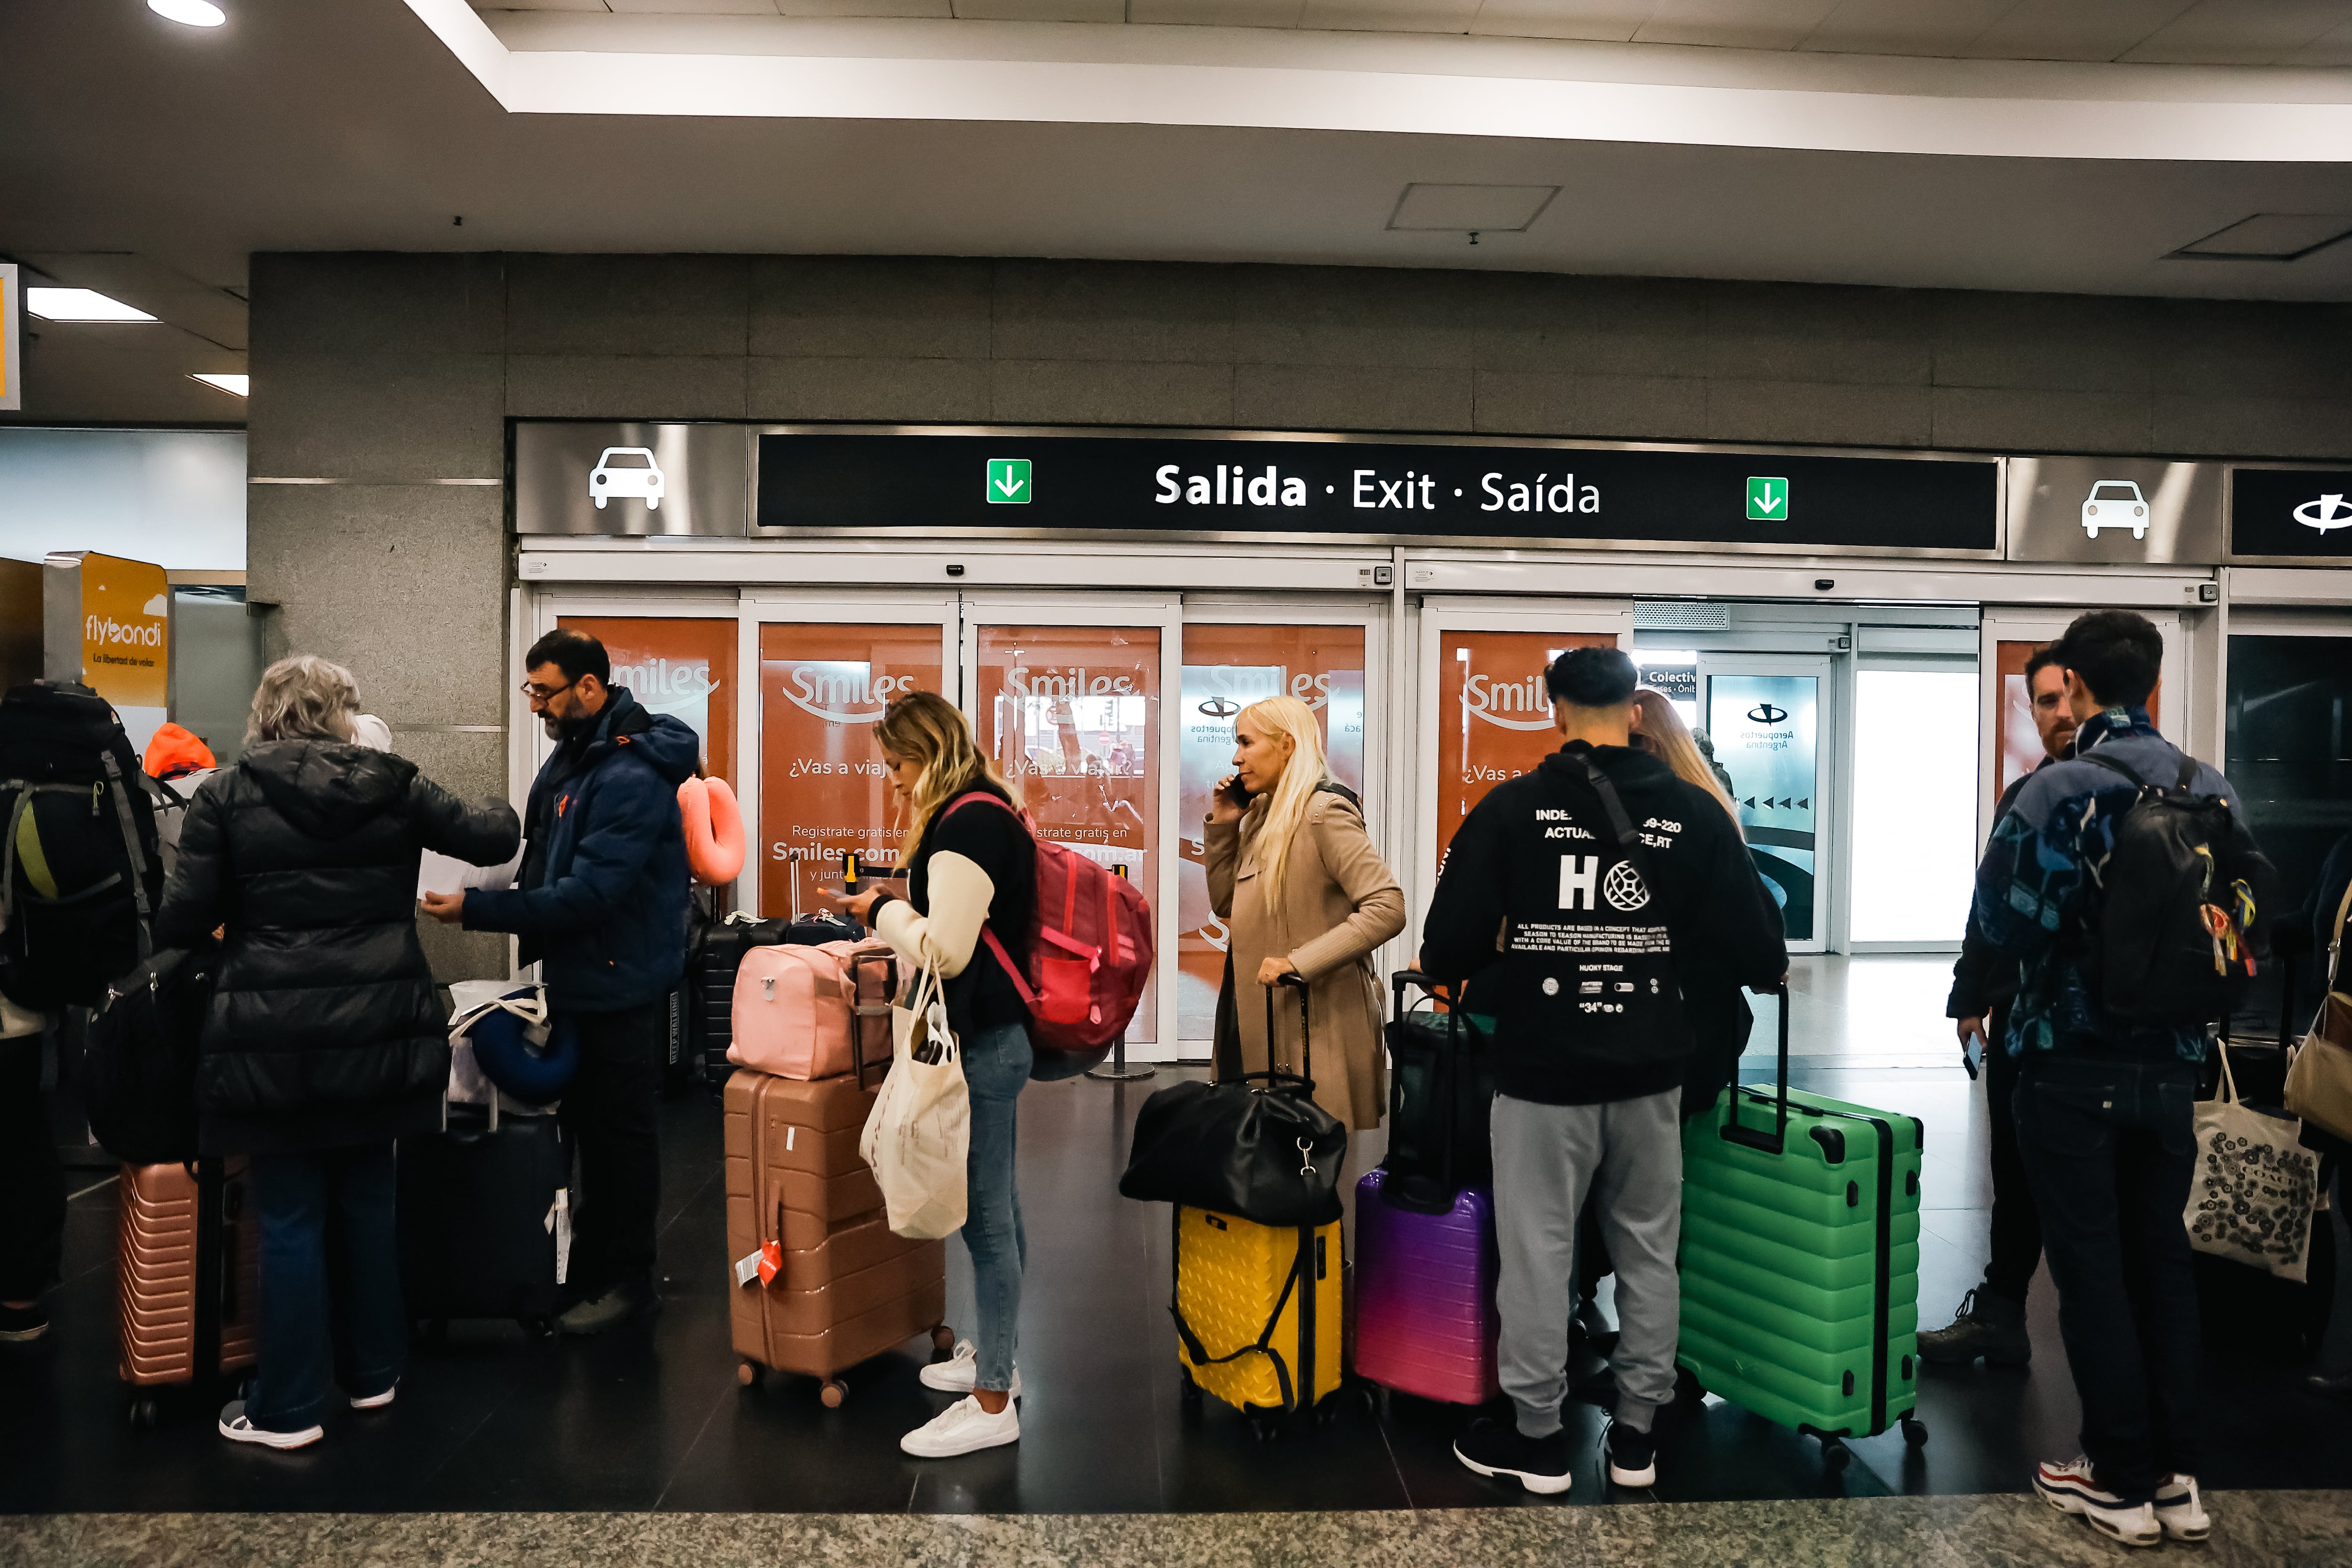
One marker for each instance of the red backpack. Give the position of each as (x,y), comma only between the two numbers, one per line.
(1089,946)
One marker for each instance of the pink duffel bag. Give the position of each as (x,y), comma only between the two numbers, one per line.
(813,1012)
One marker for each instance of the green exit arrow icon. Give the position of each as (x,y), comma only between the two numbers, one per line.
(1008,481)
(1767,500)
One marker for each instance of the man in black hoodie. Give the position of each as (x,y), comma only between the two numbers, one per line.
(1576,893)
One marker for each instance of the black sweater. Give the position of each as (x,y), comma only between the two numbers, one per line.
(1576,952)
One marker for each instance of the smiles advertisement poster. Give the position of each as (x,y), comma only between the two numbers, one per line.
(1494,716)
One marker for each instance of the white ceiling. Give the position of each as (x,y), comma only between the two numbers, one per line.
(2139,32)
(150,161)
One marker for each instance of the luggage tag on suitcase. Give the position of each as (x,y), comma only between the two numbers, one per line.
(764,1264)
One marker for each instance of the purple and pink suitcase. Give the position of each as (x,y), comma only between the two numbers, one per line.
(1425,1317)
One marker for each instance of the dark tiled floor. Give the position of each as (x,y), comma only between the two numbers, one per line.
(652,1418)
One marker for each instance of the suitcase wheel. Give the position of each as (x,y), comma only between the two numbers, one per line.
(1188,1391)
(1265,1428)
(1915,1431)
(942,1337)
(1834,1453)
(832,1392)
(747,1372)
(144,1414)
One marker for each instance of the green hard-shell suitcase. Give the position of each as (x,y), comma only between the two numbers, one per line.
(1801,1260)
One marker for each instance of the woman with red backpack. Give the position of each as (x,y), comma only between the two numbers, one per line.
(965,870)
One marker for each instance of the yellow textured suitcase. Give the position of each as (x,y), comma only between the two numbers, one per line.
(1257,1313)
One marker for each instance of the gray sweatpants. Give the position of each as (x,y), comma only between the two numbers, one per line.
(1628,1153)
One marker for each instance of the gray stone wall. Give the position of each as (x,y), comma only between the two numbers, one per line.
(393,376)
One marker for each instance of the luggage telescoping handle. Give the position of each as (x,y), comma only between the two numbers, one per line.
(1770,1142)
(1305,1075)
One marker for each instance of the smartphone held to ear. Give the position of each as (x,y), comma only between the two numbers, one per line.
(1233,791)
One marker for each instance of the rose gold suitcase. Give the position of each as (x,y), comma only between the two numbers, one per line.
(839,1288)
(171,1260)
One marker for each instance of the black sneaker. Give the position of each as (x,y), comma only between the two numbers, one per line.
(1499,1448)
(1987,1325)
(19,1324)
(621,1304)
(1632,1456)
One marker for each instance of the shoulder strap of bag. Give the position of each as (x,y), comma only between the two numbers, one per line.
(2336,946)
(2113,766)
(1621,826)
(120,791)
(1333,786)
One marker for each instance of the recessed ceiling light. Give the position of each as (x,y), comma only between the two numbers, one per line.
(2269,237)
(81,305)
(194,13)
(239,385)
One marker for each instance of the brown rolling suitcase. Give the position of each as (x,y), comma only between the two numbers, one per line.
(840,1289)
(188,1276)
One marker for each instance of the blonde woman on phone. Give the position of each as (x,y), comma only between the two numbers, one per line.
(1296,878)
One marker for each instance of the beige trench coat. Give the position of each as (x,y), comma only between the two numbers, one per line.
(1339,902)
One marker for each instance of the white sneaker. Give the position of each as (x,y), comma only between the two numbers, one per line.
(376,1401)
(237,1427)
(2181,1510)
(2070,1488)
(960,1374)
(962,1428)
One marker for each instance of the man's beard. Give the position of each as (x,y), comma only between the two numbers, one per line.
(565,729)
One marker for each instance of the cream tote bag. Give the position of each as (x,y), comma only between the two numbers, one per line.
(2251,1196)
(2319,1079)
(918,1135)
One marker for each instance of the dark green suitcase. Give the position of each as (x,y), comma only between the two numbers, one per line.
(1801,1260)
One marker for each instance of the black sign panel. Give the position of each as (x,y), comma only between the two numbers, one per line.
(2290,512)
(1178,484)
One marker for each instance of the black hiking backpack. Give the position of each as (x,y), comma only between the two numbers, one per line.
(81,870)
(2180,917)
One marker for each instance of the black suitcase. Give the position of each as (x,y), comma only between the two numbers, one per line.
(708,1015)
(1441,1089)
(485,1218)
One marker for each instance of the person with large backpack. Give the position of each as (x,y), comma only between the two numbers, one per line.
(1577,895)
(2124,880)
(972,873)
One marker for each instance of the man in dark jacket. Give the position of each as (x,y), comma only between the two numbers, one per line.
(1991,1320)
(325,1040)
(1576,893)
(2104,1094)
(601,907)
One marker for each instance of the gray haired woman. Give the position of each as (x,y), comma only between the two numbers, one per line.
(325,1038)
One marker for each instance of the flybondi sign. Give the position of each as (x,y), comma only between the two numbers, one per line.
(946,480)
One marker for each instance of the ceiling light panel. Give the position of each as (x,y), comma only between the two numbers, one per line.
(189,13)
(80,305)
(1430,207)
(2269,237)
(237,385)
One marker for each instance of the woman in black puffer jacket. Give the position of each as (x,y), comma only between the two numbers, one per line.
(326,1040)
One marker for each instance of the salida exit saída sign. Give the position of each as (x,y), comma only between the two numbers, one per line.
(942,482)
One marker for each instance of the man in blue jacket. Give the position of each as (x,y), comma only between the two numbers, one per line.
(2103,1098)
(601,906)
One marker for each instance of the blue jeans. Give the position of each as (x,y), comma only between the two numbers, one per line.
(301,1311)
(995,1069)
(2110,1148)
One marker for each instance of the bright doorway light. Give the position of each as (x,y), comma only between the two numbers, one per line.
(81,305)
(191,13)
(238,385)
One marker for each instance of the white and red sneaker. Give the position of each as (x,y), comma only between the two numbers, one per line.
(2180,1510)
(2070,1488)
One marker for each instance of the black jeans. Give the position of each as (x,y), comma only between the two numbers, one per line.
(2016,1223)
(613,1111)
(2111,1148)
(32,1183)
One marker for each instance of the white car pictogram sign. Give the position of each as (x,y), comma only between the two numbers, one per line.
(640,478)
(2115,503)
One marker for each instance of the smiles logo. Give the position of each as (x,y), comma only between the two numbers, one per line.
(1765,713)
(2326,512)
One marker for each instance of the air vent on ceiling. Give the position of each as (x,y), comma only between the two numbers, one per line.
(1677,616)
(1429,208)
(2268,237)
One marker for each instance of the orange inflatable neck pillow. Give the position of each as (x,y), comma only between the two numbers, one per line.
(714,830)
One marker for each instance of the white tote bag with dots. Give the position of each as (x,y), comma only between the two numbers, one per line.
(2251,1196)
(918,1135)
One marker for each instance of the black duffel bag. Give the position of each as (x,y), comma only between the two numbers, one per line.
(1255,1146)
(139,1061)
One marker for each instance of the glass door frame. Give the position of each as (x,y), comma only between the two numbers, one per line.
(1440,614)
(1833,766)
(1380,734)
(1067,607)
